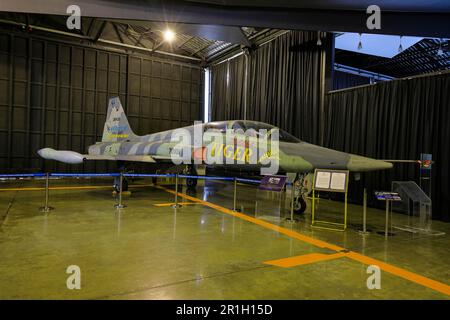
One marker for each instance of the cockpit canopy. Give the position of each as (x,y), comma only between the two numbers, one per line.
(249,128)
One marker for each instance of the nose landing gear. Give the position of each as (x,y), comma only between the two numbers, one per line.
(301,187)
(299,205)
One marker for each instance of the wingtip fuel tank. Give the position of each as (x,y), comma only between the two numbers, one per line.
(65,156)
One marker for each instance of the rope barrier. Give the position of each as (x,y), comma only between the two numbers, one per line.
(248,180)
(46,208)
(206,177)
(22,175)
(128,175)
(147,175)
(87,175)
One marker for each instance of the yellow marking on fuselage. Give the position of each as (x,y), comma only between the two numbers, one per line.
(117,135)
(238,153)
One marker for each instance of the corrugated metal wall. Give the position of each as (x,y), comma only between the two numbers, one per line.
(55,94)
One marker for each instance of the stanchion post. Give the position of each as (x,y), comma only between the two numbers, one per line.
(364,210)
(120,205)
(234,194)
(46,207)
(292,202)
(291,219)
(364,230)
(386,229)
(176,205)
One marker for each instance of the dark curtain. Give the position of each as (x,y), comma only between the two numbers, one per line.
(228,89)
(284,85)
(395,120)
(343,80)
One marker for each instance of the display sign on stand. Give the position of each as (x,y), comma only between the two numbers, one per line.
(388,197)
(426,164)
(272,183)
(330,181)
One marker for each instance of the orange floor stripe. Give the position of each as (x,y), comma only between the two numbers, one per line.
(405,274)
(290,233)
(173,203)
(402,273)
(304,259)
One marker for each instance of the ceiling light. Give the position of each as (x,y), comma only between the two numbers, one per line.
(400,47)
(360,43)
(169,35)
(377,44)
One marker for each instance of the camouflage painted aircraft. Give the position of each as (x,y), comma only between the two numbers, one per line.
(295,157)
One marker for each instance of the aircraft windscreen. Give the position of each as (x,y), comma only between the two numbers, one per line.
(250,128)
(283,135)
(287,137)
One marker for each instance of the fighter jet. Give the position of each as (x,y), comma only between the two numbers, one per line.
(293,156)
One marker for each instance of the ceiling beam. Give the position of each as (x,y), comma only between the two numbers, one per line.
(118,33)
(91,26)
(426,24)
(100,31)
(159,45)
(185,42)
(99,40)
(208,44)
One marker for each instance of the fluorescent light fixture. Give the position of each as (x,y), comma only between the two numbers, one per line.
(374,44)
(169,35)
(206,106)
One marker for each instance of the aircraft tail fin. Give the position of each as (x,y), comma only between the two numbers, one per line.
(116,126)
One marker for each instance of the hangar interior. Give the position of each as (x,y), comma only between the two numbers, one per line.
(225,238)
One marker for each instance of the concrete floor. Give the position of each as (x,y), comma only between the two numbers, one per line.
(202,251)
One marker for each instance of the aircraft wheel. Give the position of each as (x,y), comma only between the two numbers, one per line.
(299,205)
(191,182)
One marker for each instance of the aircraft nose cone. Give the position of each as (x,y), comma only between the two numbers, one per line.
(361,164)
(385,165)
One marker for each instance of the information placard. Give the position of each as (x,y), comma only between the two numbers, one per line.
(338,181)
(322,180)
(273,183)
(331,180)
(387,196)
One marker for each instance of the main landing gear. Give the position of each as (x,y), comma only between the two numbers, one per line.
(116,183)
(191,183)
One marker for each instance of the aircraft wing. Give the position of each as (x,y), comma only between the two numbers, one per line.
(72,157)
(137,158)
